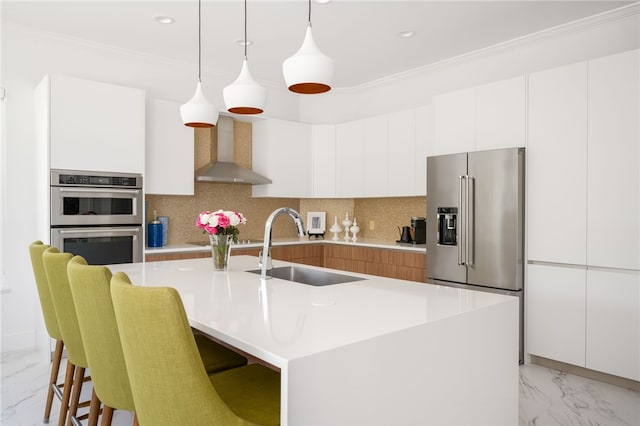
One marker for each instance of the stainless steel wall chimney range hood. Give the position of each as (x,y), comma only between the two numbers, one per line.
(225,170)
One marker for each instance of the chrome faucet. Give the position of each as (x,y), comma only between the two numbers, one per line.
(265,255)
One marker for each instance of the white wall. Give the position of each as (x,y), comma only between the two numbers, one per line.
(599,36)
(27,56)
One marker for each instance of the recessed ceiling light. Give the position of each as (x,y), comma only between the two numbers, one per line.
(242,42)
(161,19)
(322,1)
(406,34)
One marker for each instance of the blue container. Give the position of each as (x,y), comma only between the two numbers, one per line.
(154,234)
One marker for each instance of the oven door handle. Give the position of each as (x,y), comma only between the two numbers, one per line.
(102,190)
(100,231)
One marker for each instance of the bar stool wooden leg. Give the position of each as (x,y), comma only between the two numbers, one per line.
(75,398)
(53,380)
(107,416)
(94,410)
(66,394)
(135,420)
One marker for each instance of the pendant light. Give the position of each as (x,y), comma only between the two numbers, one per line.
(199,112)
(309,71)
(244,95)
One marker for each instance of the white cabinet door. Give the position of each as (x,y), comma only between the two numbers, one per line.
(613,232)
(501,114)
(375,156)
(557,165)
(555,309)
(424,146)
(349,166)
(96,126)
(613,322)
(401,147)
(281,152)
(455,122)
(323,157)
(169,153)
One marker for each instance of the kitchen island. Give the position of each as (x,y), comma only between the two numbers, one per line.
(374,351)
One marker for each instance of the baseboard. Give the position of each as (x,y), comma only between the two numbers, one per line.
(585,372)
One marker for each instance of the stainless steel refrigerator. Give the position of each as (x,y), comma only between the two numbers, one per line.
(475,222)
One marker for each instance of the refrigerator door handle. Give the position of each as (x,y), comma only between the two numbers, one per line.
(470,219)
(462,216)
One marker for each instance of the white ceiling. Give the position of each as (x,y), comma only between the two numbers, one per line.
(361,36)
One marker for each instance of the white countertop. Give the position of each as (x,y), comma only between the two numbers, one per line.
(278,320)
(361,242)
(377,351)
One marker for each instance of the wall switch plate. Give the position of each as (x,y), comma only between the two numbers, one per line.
(372,225)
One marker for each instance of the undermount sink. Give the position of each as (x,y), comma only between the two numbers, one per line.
(308,276)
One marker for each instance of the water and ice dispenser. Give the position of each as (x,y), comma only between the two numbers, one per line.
(447,226)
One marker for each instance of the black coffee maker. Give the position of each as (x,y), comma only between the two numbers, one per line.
(414,234)
(419,228)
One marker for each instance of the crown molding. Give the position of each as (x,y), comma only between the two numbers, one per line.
(576,26)
(222,76)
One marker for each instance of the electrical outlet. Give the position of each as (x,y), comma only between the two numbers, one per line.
(372,225)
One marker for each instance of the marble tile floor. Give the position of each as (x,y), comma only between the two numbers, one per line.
(547,397)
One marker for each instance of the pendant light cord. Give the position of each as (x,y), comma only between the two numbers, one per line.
(309,13)
(199,41)
(245,30)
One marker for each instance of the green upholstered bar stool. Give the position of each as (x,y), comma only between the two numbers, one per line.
(55,266)
(169,383)
(92,300)
(51,322)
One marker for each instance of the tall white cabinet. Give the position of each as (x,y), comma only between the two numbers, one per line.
(557,165)
(613,237)
(93,126)
(583,162)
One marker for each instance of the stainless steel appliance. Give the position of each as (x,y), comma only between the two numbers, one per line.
(475,222)
(97,215)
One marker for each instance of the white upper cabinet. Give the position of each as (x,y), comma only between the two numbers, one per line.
(455,122)
(401,152)
(490,116)
(501,114)
(169,160)
(613,322)
(349,165)
(613,236)
(557,165)
(95,126)
(375,156)
(323,158)
(281,152)
(424,146)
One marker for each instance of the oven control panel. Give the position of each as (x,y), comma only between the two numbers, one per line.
(95,179)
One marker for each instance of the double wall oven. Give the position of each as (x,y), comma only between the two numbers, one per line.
(97,215)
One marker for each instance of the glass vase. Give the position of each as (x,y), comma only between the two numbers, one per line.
(220,248)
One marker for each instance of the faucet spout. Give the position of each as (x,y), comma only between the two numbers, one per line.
(265,255)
